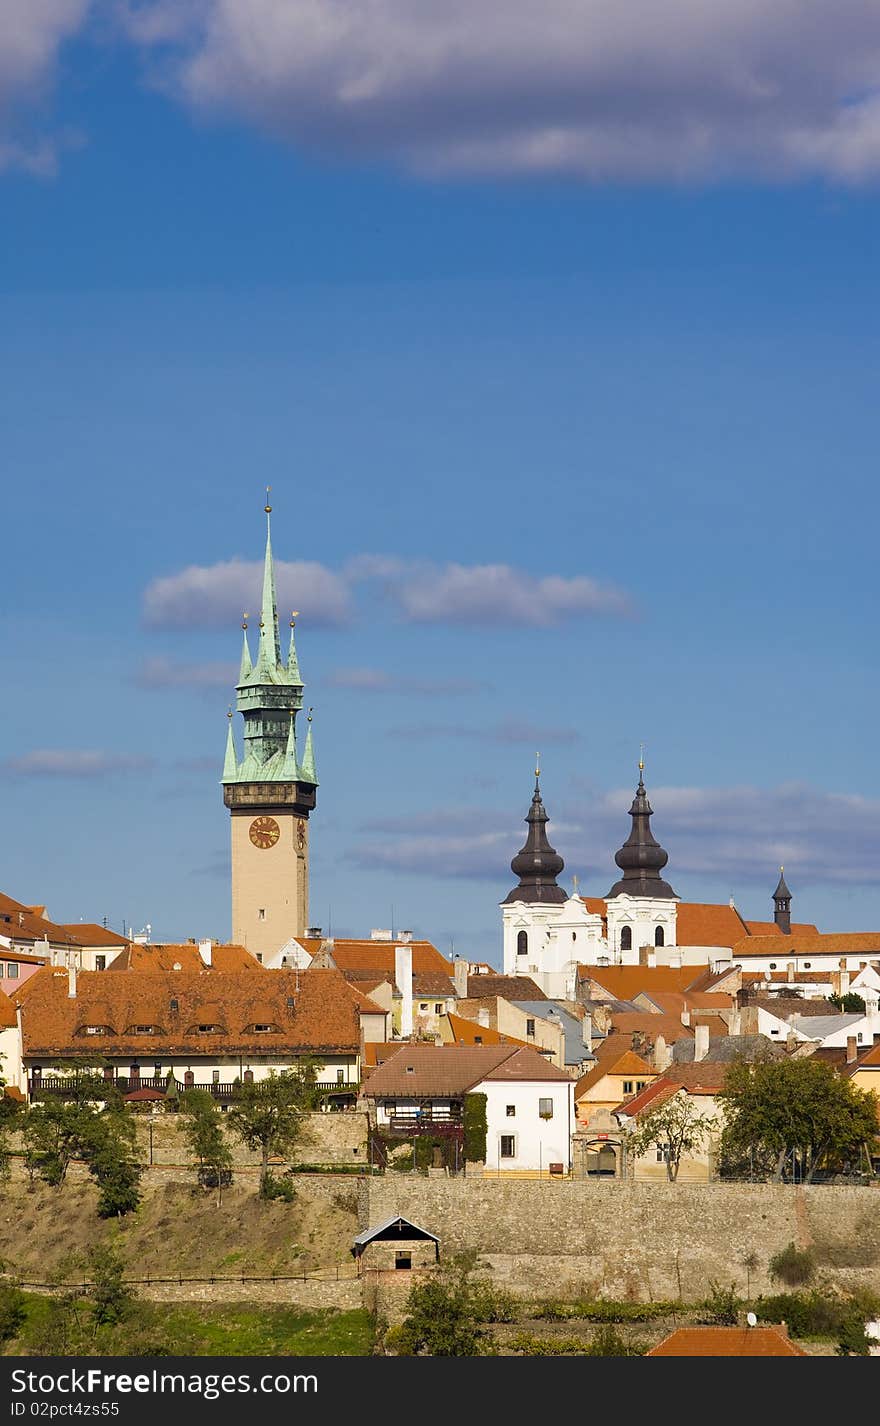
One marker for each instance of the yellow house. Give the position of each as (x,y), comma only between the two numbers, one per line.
(610,1082)
(867,1073)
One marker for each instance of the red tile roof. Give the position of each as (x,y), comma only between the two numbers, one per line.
(379,955)
(508,987)
(628,1063)
(449,1071)
(184,957)
(325,1015)
(727,1342)
(90,934)
(802,944)
(7,1012)
(470,1032)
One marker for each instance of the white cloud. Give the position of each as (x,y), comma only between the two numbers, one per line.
(732,837)
(376,680)
(215,596)
(160,672)
(74,762)
(32,33)
(640,89)
(487,594)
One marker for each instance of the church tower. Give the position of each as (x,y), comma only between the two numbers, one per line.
(641,906)
(270,792)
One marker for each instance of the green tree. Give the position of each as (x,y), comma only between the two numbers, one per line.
(108,1146)
(268,1116)
(205,1140)
(111,1298)
(12,1311)
(443,1314)
(475,1128)
(53,1132)
(677,1127)
(850,1003)
(798,1110)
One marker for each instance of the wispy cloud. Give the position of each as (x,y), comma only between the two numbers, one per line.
(532,734)
(487,594)
(215,596)
(161,673)
(732,837)
(32,33)
(419,592)
(635,91)
(376,680)
(74,762)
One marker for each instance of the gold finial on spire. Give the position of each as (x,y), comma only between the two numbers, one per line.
(641,757)
(267,507)
(229,711)
(311,710)
(294,615)
(244,619)
(537,764)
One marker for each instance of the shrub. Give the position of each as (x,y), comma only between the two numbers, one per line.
(811,1314)
(721,1307)
(272,1187)
(608,1342)
(475,1128)
(853,1341)
(604,1311)
(493,1304)
(792,1265)
(12,1311)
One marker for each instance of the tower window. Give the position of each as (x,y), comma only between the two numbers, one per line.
(530,1027)
(522,943)
(626,938)
(659,937)
(261,914)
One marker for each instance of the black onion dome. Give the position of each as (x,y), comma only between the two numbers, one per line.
(538,864)
(641,858)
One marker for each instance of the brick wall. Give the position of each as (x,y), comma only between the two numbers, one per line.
(331,1139)
(639,1240)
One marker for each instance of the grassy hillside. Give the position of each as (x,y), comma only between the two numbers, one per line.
(176,1230)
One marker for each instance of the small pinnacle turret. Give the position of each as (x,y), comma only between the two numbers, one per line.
(782,905)
(308,772)
(537,864)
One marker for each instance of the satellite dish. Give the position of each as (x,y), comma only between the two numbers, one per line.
(751,1319)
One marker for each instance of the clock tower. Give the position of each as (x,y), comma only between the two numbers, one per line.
(270,792)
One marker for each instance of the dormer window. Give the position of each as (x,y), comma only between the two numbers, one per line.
(264,1029)
(142,1029)
(209,1029)
(175,1005)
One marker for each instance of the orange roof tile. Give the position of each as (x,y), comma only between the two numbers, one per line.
(90,934)
(324,1014)
(508,987)
(628,1063)
(809,943)
(7,1012)
(185,957)
(444,1071)
(379,955)
(770,928)
(624,982)
(669,1026)
(704,924)
(727,1342)
(470,1032)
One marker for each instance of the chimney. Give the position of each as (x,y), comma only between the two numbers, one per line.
(587,1032)
(205,952)
(643,955)
(701,1042)
(71,980)
(852,1050)
(790,972)
(685,1016)
(403,978)
(844,982)
(460,968)
(662,1054)
(733,1022)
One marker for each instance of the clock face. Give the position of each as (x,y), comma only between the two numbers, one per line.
(264,832)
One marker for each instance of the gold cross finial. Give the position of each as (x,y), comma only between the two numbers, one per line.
(641,757)
(268,507)
(244,618)
(537,764)
(310,714)
(294,615)
(229,711)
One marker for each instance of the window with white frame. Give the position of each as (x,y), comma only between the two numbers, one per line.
(545,1108)
(510,1111)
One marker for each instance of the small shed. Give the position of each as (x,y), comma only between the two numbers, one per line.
(397,1243)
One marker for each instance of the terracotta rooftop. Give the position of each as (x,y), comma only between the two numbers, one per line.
(324,1015)
(432,982)
(803,944)
(379,955)
(470,1032)
(669,1026)
(625,982)
(727,1342)
(21,958)
(770,928)
(88,933)
(184,957)
(7,1012)
(26,923)
(508,987)
(444,1071)
(629,1063)
(704,1078)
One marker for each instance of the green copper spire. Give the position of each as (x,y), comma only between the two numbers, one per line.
(290,766)
(292,660)
(230,764)
(270,642)
(307,772)
(246,663)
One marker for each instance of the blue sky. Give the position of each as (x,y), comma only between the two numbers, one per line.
(572,444)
